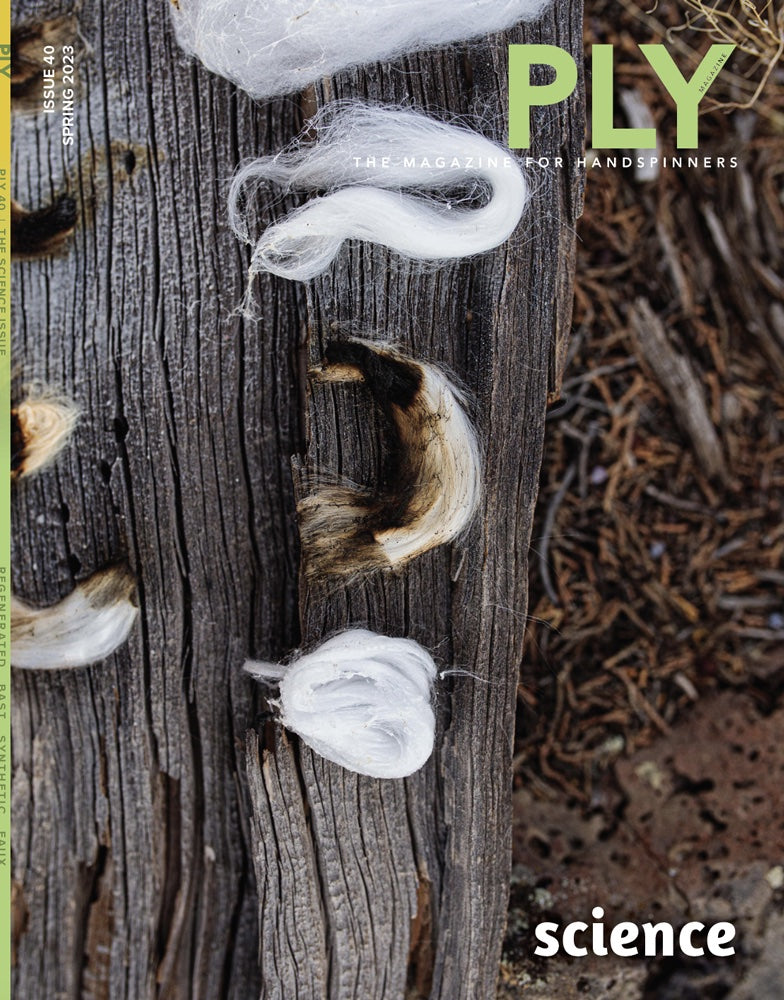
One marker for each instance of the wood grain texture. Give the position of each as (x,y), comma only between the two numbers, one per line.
(164,844)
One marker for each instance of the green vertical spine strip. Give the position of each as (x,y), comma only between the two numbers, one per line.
(5,501)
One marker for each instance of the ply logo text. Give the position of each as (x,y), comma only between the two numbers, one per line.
(687,94)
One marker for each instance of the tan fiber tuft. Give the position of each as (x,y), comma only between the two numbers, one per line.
(40,427)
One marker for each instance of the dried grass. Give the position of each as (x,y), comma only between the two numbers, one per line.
(755,29)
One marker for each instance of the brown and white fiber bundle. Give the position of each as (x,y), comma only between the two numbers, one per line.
(431,485)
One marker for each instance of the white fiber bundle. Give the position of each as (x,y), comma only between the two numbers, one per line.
(40,428)
(81,629)
(368,158)
(361,700)
(431,487)
(271,47)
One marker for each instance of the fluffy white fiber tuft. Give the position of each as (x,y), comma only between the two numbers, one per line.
(433,481)
(367,158)
(83,628)
(361,700)
(271,47)
(40,428)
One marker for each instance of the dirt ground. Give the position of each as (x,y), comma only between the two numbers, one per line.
(650,746)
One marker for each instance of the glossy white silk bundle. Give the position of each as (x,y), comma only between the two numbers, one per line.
(361,700)
(380,168)
(271,47)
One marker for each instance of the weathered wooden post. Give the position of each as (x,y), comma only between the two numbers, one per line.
(164,845)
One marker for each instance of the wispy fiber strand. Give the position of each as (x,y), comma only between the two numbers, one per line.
(381,168)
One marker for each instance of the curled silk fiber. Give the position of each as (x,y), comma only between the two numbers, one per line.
(280,46)
(432,482)
(361,700)
(379,166)
(83,628)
